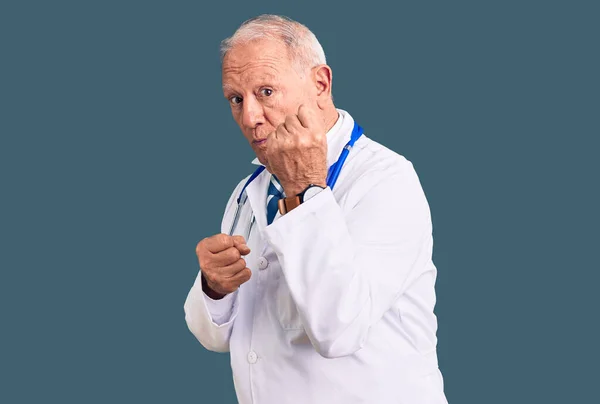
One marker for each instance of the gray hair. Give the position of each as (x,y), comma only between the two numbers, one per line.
(304,48)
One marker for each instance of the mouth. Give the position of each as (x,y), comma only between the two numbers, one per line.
(259,142)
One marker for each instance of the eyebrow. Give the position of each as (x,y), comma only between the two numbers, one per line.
(227,87)
(264,77)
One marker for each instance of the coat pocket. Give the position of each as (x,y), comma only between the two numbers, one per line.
(287,312)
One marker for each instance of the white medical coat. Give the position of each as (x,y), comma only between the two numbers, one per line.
(339,308)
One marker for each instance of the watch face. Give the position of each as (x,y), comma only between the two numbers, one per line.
(310,192)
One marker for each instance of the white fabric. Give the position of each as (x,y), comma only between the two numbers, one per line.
(339,308)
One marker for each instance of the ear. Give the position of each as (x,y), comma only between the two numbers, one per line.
(322,77)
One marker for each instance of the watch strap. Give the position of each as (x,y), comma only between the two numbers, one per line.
(292,202)
(287,204)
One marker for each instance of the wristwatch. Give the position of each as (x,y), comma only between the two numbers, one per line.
(287,204)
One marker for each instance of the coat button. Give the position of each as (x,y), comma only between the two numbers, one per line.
(252,357)
(263,263)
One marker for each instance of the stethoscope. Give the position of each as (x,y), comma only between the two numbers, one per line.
(332,176)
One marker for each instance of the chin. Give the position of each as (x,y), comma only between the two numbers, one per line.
(264,162)
(260,155)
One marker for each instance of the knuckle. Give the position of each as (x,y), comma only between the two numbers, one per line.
(217,284)
(204,261)
(200,247)
(210,279)
(303,141)
(222,239)
(234,254)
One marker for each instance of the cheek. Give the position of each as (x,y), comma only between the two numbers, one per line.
(275,104)
(282,108)
(237,116)
(275,114)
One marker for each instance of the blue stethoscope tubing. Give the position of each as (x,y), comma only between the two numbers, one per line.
(332,176)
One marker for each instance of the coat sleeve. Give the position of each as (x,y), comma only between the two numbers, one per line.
(211,320)
(346,268)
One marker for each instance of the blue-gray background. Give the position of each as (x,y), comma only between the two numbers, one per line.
(118,154)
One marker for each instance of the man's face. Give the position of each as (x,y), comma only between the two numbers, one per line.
(262,87)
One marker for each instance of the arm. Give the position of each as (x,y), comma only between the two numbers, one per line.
(210,320)
(210,315)
(346,269)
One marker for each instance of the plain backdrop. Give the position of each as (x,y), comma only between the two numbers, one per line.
(118,153)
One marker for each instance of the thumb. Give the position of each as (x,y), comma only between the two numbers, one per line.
(240,243)
(238,240)
(307,115)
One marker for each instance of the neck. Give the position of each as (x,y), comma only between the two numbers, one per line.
(331,116)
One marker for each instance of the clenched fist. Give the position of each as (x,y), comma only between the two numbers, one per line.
(297,151)
(222,265)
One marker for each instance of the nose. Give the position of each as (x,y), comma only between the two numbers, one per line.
(252,114)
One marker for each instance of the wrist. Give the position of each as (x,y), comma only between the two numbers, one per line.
(297,189)
(209,292)
(291,202)
(291,191)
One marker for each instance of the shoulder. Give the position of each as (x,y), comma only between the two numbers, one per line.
(378,162)
(375,166)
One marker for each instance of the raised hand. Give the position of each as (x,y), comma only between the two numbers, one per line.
(297,151)
(222,265)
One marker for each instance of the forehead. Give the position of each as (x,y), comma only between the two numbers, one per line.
(255,60)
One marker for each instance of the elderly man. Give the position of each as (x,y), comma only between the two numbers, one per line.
(321,282)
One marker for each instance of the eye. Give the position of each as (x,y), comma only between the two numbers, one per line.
(235,100)
(266,92)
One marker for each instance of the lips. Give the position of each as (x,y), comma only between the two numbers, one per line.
(259,142)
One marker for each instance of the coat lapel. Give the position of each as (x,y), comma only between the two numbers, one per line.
(257,195)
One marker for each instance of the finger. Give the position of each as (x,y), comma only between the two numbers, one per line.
(269,142)
(306,116)
(292,124)
(232,270)
(230,285)
(218,243)
(284,138)
(243,249)
(272,136)
(240,244)
(241,277)
(238,240)
(226,257)
(281,132)
(221,273)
